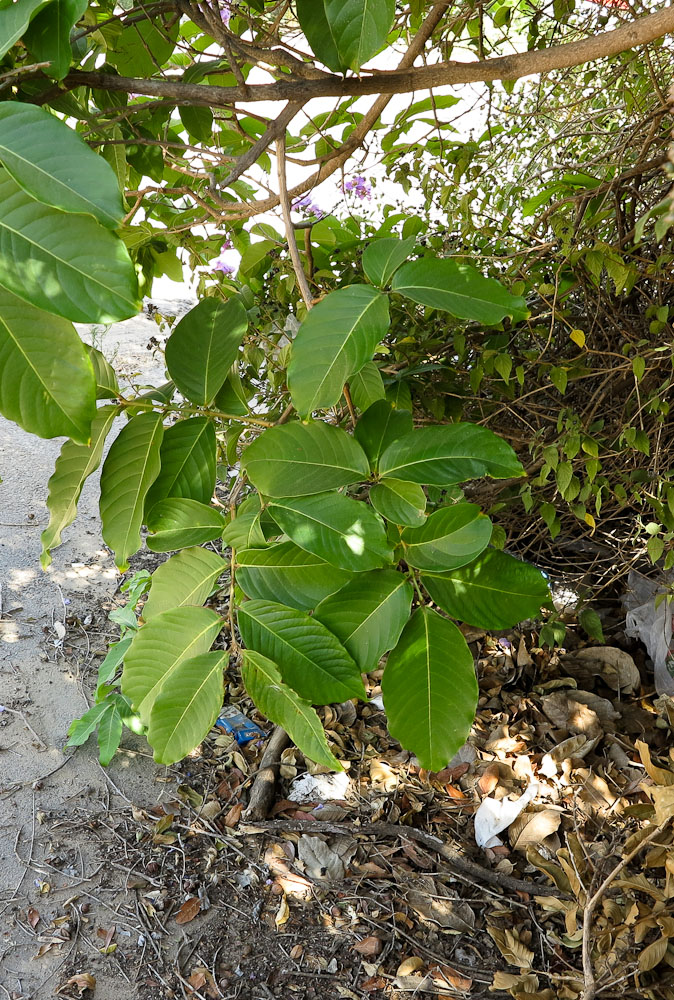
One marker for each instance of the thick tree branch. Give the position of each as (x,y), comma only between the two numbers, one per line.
(276,130)
(404,79)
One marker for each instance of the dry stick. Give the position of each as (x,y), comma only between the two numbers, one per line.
(262,792)
(459,864)
(305,291)
(590,985)
(275,131)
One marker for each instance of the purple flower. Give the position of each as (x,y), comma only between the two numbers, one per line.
(306,206)
(221,265)
(227,245)
(358,186)
(225,12)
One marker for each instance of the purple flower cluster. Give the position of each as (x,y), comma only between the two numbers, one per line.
(358,186)
(221,265)
(225,12)
(307,207)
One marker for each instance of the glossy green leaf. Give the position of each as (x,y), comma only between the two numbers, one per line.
(245,531)
(231,397)
(449,538)
(73,467)
(368,614)
(382,258)
(187,706)
(288,574)
(54,165)
(285,708)
(186,578)
(176,523)
(111,663)
(46,378)
(204,346)
(344,34)
(198,121)
(131,466)
(104,374)
(399,502)
(298,459)
(459,289)
(109,734)
(14,19)
(159,647)
(336,339)
(81,729)
(430,689)
(379,427)
(496,591)
(367,386)
(65,264)
(454,453)
(311,659)
(344,532)
(143,47)
(187,458)
(48,35)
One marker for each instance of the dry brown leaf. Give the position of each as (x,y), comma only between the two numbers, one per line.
(326,861)
(82,981)
(197,979)
(616,667)
(445,975)
(653,954)
(660,775)
(372,984)
(430,903)
(550,868)
(523,658)
(410,965)
(164,823)
(283,913)
(663,800)
(188,910)
(510,946)
(532,828)
(232,817)
(33,917)
(382,776)
(641,884)
(369,946)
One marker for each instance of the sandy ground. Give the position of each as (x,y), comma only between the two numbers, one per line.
(48,853)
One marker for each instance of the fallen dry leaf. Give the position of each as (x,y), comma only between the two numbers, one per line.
(232,817)
(188,910)
(660,775)
(510,946)
(410,965)
(532,828)
(663,800)
(33,917)
(616,666)
(444,975)
(283,913)
(369,946)
(326,861)
(82,981)
(372,984)
(430,903)
(653,954)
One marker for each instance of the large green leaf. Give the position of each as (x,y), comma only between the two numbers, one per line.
(187,706)
(204,346)
(46,378)
(430,689)
(285,708)
(368,614)
(382,258)
(458,289)
(73,467)
(159,647)
(443,456)
(496,591)
(186,578)
(288,574)
(187,463)
(399,502)
(380,426)
(367,386)
(53,164)
(48,35)
(109,733)
(311,659)
(65,264)
(344,532)
(14,19)
(143,47)
(104,374)
(129,470)
(245,530)
(449,538)
(344,34)
(336,339)
(299,459)
(176,523)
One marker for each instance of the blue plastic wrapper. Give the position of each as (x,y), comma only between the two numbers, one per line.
(231,720)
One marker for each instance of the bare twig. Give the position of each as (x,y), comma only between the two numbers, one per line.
(302,282)
(262,792)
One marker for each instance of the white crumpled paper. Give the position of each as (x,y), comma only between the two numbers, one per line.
(495,815)
(650,620)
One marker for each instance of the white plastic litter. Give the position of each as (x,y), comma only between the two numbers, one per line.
(653,625)
(496,815)
(320,787)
